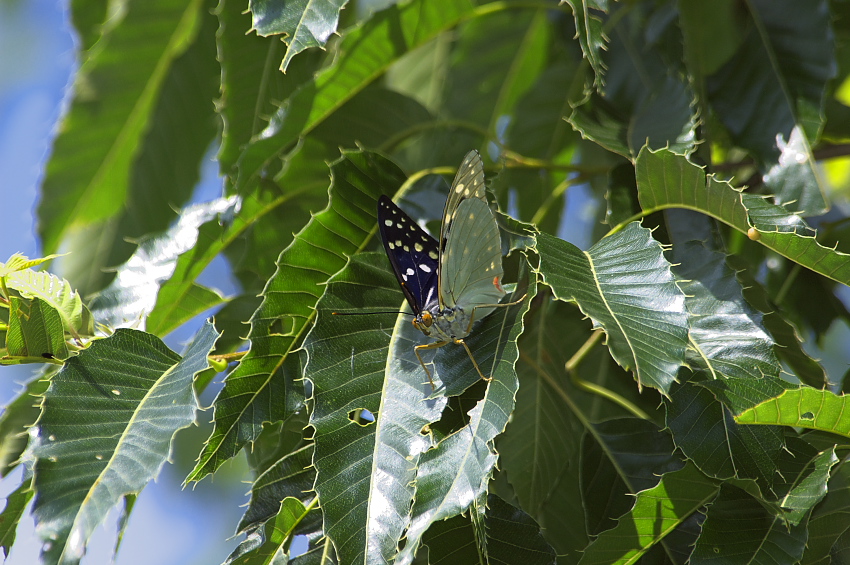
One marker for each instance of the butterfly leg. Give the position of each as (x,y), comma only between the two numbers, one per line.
(500,305)
(474,362)
(435,345)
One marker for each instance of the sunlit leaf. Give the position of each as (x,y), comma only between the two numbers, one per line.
(624,284)
(139,393)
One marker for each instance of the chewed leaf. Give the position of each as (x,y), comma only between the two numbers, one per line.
(805,408)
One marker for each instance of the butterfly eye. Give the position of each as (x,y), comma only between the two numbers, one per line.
(427,319)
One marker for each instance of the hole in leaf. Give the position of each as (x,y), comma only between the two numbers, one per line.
(361,417)
(281,326)
(807,416)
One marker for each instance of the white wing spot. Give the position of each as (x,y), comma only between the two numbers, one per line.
(388,223)
(398,226)
(418,247)
(432,255)
(391,245)
(409,272)
(398,243)
(492,264)
(406,248)
(404,276)
(459,188)
(425,268)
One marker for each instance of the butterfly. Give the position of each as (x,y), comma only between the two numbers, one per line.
(457,280)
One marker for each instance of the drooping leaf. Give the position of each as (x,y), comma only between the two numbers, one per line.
(590,17)
(700,415)
(139,393)
(262,388)
(667,180)
(18,415)
(625,285)
(804,473)
(13,511)
(830,519)
(131,145)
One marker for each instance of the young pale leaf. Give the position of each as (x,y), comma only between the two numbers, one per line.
(657,511)
(738,529)
(56,293)
(803,407)
(668,180)
(624,284)
(262,388)
(138,394)
(303,23)
(35,333)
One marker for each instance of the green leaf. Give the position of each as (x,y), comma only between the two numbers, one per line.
(790,346)
(455,472)
(624,284)
(512,536)
(13,511)
(803,407)
(57,294)
(303,23)
(738,529)
(139,394)
(276,536)
(770,95)
(262,388)
(667,180)
(656,512)
(355,365)
(365,52)
(116,91)
(613,470)
(17,417)
(830,519)
(725,330)
(712,32)
(160,261)
(250,81)
(589,18)
(804,473)
(35,333)
(700,418)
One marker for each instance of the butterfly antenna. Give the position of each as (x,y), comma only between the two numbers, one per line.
(369,313)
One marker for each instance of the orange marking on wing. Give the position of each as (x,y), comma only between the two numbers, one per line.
(498,284)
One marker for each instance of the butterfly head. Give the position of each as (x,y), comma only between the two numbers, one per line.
(423,322)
